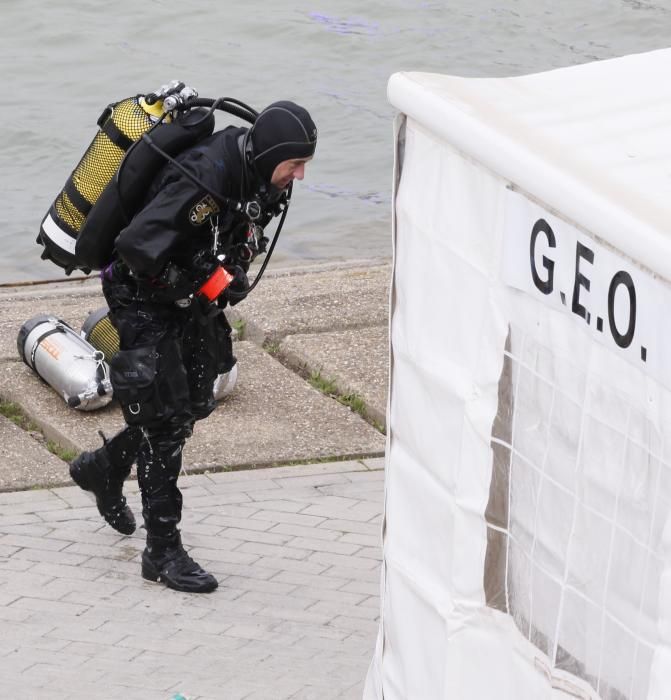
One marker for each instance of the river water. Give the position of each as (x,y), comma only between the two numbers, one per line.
(62,62)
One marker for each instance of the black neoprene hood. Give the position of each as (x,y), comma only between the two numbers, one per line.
(282,131)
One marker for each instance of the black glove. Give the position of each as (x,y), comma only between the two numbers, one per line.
(237,289)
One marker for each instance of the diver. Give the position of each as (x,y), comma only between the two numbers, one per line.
(180,261)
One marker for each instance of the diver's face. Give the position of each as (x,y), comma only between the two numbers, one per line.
(288,171)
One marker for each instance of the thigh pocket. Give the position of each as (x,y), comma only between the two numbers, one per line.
(133,377)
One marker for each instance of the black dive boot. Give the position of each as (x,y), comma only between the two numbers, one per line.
(164,559)
(103,472)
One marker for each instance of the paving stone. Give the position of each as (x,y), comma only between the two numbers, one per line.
(333,608)
(224,521)
(312,580)
(7,550)
(34,542)
(41,508)
(296,497)
(66,572)
(20,518)
(275,516)
(370,553)
(346,466)
(339,560)
(357,513)
(254,571)
(14,565)
(324,594)
(262,586)
(355,624)
(371,575)
(298,565)
(302,531)
(34,530)
(374,462)
(321,545)
(342,525)
(271,550)
(251,535)
(363,540)
(48,606)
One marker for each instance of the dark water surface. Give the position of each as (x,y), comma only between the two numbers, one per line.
(62,62)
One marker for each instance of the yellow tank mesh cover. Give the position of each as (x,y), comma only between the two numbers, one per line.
(97,167)
(103,336)
(130,118)
(68,212)
(102,158)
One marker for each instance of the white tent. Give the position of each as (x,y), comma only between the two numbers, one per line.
(527,544)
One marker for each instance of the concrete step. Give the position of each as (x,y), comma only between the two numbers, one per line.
(327,318)
(25,461)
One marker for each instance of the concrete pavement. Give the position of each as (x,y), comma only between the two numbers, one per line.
(295,548)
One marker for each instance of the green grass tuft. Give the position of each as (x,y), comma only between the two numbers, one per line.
(272,347)
(63,453)
(326,386)
(353,401)
(240,326)
(13,411)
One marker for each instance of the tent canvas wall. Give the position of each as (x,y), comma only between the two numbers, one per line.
(527,539)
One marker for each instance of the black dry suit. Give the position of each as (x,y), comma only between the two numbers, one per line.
(173,340)
(172,346)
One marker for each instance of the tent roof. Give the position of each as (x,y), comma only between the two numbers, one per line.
(591,141)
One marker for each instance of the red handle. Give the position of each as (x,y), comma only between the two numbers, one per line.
(216,283)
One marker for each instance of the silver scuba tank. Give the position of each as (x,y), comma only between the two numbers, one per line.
(98,330)
(65,361)
(225,383)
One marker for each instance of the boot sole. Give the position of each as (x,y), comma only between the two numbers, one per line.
(151,573)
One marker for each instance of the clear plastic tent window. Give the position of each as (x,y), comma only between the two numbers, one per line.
(579,497)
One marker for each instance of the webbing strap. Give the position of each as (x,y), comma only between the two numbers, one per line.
(81,204)
(116,136)
(36,345)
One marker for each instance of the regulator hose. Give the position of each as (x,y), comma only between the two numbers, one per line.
(225,104)
(262,269)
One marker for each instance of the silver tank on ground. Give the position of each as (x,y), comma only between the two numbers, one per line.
(225,383)
(67,362)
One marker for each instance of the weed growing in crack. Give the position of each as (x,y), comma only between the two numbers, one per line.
(240,326)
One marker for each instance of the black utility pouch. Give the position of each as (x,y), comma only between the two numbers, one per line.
(133,377)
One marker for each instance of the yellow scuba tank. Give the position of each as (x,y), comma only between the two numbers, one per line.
(121,125)
(108,186)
